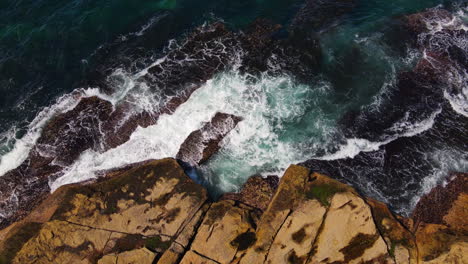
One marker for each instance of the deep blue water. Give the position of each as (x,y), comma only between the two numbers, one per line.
(47,46)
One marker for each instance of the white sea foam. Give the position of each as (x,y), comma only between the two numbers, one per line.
(459,102)
(445,162)
(264,106)
(22,146)
(354,146)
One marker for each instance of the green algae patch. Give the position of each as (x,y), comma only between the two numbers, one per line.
(323,193)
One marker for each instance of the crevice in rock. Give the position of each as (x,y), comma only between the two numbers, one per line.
(203,256)
(195,229)
(380,232)
(188,220)
(319,231)
(276,233)
(120,232)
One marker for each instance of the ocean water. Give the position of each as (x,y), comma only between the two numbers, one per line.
(49,49)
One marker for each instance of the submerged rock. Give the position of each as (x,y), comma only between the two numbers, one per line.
(152,212)
(315,15)
(201,144)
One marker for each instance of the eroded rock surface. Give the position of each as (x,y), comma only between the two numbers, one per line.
(152,212)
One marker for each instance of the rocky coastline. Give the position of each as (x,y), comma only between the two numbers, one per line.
(152,212)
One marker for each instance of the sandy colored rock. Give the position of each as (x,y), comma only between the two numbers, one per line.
(458,253)
(457,216)
(226,230)
(294,240)
(63,242)
(194,258)
(175,252)
(159,193)
(137,256)
(349,234)
(400,241)
(437,242)
(145,205)
(152,210)
(289,194)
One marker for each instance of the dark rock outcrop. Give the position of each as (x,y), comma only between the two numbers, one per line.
(201,144)
(256,192)
(435,207)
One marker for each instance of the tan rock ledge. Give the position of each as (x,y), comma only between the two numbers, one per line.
(153,213)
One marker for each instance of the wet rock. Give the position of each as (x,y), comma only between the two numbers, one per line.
(380,174)
(63,139)
(412,122)
(65,136)
(414,98)
(121,123)
(418,22)
(417,93)
(444,205)
(201,144)
(257,43)
(266,44)
(96,124)
(93,124)
(256,192)
(206,51)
